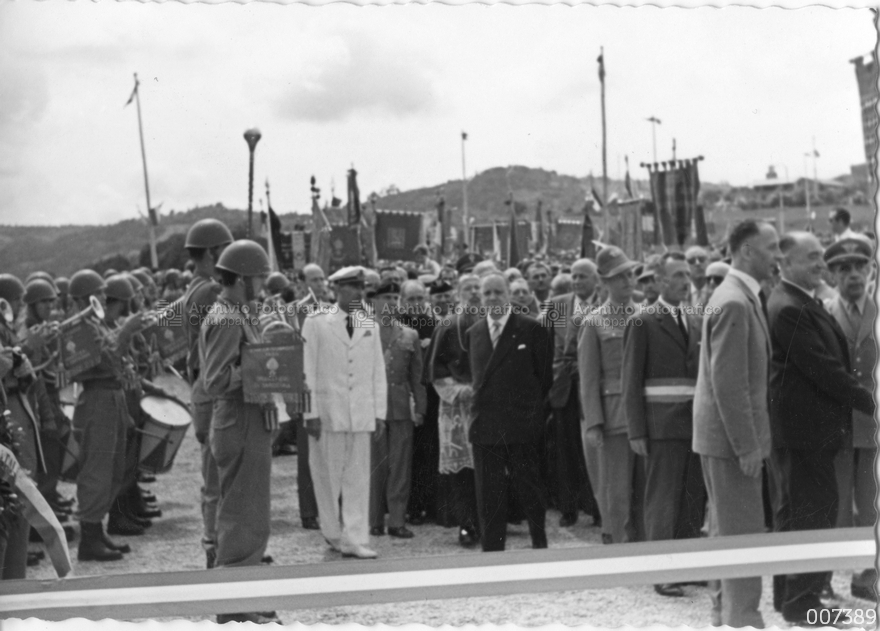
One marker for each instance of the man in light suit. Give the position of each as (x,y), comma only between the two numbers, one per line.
(854,310)
(565,312)
(345,371)
(660,358)
(812,396)
(392,453)
(511,359)
(731,417)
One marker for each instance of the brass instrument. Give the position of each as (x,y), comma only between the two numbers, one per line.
(53,330)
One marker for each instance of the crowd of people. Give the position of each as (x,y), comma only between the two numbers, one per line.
(716,391)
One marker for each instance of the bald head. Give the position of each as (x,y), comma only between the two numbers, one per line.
(584,278)
(802,262)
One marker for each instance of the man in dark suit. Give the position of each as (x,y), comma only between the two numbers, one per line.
(573,486)
(812,396)
(511,359)
(660,359)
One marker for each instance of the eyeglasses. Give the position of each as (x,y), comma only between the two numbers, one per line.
(695,260)
(715,280)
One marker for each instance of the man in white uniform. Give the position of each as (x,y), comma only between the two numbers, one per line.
(345,371)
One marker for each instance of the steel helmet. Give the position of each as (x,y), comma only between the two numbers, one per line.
(276,283)
(39,289)
(245,258)
(44,275)
(171,274)
(144,277)
(119,288)
(10,287)
(208,233)
(85,282)
(109,272)
(63,284)
(136,284)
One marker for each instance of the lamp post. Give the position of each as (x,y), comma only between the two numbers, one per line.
(252,136)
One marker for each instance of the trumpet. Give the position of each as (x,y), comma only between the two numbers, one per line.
(51,330)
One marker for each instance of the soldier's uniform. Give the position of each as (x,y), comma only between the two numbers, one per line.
(240,443)
(391,455)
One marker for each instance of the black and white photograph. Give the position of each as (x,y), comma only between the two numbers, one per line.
(438,314)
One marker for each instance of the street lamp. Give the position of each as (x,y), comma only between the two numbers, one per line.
(252,136)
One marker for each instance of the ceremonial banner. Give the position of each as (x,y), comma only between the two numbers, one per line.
(866,75)
(397,234)
(270,369)
(482,240)
(675,187)
(485,238)
(588,248)
(80,348)
(567,235)
(298,249)
(344,247)
(631,229)
(354,200)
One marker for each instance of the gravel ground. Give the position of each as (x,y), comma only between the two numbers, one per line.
(173,544)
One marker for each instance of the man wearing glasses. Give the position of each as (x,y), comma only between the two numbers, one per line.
(697,258)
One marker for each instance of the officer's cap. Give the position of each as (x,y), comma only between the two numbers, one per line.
(845,250)
(348,275)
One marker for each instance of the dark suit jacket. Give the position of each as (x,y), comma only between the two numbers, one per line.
(812,391)
(654,348)
(510,381)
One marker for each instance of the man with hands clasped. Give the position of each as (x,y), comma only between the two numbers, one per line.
(345,371)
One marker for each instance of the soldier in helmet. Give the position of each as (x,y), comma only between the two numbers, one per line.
(205,242)
(40,298)
(17,382)
(172,290)
(100,423)
(240,437)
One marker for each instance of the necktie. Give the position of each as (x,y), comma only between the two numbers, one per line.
(349,325)
(681,325)
(763,296)
(496,332)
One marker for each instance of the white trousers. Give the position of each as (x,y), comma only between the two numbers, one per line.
(340,466)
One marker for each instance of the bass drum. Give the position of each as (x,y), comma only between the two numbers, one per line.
(164,428)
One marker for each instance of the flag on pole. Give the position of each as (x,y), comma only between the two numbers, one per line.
(464,135)
(601,61)
(320,241)
(588,248)
(627,182)
(513,245)
(133,93)
(542,240)
(594,197)
(354,199)
(274,240)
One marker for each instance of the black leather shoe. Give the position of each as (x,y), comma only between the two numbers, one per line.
(119,524)
(69,533)
(669,589)
(311,523)
(148,496)
(124,548)
(467,538)
(149,513)
(92,546)
(401,533)
(568,519)
(146,478)
(267,560)
(377,531)
(865,592)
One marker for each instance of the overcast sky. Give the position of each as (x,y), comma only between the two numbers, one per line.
(389,89)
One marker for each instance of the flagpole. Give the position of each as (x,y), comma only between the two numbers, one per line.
(270,241)
(154,257)
(252,137)
(464,194)
(604,148)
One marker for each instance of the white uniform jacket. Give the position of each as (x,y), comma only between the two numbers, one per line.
(346,376)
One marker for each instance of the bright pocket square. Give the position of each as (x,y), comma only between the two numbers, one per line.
(520,347)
